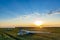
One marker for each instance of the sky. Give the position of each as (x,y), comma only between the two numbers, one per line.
(25,12)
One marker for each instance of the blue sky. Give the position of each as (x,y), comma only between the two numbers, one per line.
(11,9)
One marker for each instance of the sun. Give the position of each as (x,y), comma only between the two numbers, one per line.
(38,23)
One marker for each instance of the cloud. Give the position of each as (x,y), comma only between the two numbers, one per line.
(53,12)
(32,16)
(23,19)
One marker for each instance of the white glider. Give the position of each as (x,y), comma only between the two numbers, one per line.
(22,32)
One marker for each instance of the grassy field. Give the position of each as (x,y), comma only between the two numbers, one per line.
(11,34)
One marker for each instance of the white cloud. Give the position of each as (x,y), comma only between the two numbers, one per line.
(24,19)
(54,12)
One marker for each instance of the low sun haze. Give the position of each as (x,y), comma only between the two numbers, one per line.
(26,12)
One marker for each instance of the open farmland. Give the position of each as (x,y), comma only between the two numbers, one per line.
(11,33)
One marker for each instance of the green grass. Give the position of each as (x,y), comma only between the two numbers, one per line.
(55,33)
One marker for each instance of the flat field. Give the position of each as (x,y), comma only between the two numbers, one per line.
(11,33)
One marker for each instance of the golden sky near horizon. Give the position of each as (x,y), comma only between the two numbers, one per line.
(27,12)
